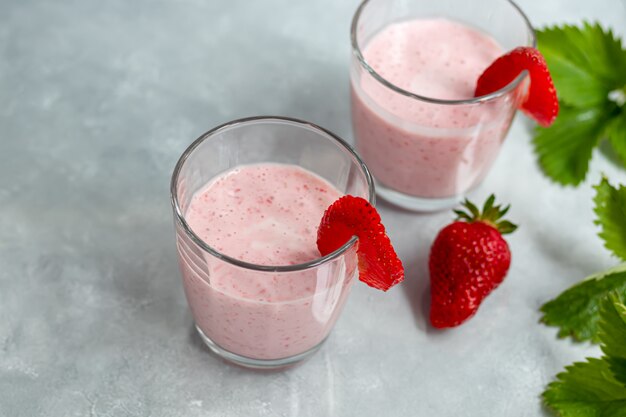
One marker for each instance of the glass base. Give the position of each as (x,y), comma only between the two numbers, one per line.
(246,362)
(413,203)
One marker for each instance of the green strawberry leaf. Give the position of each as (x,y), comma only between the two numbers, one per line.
(587,389)
(618,367)
(613,334)
(586,62)
(577,311)
(596,388)
(564,149)
(616,133)
(588,67)
(613,325)
(610,207)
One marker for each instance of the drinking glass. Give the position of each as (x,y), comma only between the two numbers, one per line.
(251,330)
(429,161)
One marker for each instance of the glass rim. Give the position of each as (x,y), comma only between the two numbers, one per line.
(180,218)
(356,50)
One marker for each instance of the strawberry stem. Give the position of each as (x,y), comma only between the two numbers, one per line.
(491,214)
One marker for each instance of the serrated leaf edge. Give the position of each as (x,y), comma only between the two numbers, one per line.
(597,207)
(565,333)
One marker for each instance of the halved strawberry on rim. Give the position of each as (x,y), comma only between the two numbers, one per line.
(379,265)
(541,102)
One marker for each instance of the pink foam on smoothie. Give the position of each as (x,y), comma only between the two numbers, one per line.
(266,214)
(416,147)
(262,214)
(436,58)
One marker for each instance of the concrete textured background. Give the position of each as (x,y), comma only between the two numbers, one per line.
(97,101)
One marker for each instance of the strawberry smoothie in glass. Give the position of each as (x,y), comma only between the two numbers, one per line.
(248,198)
(418,126)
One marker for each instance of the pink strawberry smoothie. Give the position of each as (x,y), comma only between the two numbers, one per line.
(265,214)
(413,146)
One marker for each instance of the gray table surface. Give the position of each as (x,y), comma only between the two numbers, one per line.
(97,101)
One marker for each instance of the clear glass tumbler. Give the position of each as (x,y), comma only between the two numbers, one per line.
(428,161)
(250,330)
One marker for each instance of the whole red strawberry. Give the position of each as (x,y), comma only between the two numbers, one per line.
(468,260)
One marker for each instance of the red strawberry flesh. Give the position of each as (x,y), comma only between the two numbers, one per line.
(457,253)
(468,260)
(541,102)
(379,265)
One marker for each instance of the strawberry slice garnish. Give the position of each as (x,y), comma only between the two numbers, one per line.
(541,102)
(379,265)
